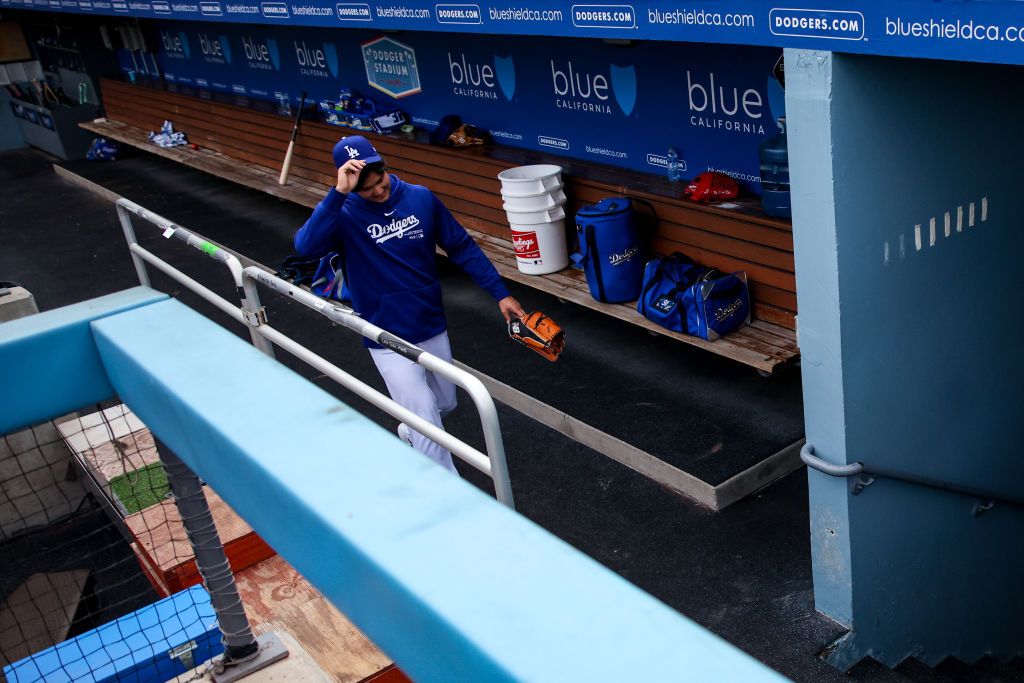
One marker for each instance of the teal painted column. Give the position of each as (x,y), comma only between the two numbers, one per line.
(908,240)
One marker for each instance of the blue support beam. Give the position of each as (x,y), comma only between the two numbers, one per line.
(48,362)
(447,582)
(906,216)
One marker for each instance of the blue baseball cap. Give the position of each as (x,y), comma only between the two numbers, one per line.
(355,147)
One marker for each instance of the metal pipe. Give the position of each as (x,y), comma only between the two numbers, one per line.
(251,301)
(211,560)
(816,463)
(388,405)
(248,295)
(858,468)
(129,234)
(217,300)
(263,336)
(489,422)
(474,387)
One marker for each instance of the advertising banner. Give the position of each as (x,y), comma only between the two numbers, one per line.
(989,31)
(619,105)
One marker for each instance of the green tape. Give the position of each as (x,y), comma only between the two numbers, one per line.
(208,248)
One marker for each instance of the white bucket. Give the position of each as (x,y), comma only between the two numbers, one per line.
(540,248)
(535,217)
(530,180)
(534,202)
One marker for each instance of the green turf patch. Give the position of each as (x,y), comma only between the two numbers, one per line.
(141,488)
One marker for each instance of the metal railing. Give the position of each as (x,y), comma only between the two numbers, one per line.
(264,337)
(868,473)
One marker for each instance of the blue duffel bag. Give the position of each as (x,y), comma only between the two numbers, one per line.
(685,297)
(664,280)
(610,250)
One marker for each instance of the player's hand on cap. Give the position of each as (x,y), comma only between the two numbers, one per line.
(348,175)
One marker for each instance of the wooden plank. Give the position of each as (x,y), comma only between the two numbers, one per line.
(570,284)
(209,161)
(777,316)
(746,209)
(762,293)
(777,330)
(155,578)
(627,454)
(674,217)
(277,598)
(268,152)
(731,346)
(164,545)
(765,353)
(755,272)
(770,469)
(486,188)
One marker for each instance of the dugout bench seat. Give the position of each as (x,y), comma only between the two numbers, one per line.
(730,237)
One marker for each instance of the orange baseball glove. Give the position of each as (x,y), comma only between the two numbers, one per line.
(538,333)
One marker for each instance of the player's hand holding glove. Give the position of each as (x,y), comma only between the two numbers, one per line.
(538,333)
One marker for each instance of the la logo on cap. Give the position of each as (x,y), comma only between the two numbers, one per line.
(352,152)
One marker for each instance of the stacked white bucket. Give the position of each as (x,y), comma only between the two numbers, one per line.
(534,203)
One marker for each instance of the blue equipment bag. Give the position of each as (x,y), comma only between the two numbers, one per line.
(664,279)
(321,275)
(610,250)
(716,304)
(329,279)
(703,302)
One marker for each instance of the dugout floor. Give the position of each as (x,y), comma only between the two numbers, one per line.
(744,573)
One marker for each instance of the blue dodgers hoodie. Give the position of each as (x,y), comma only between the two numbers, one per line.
(388,252)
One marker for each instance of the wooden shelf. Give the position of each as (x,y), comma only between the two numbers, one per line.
(762,345)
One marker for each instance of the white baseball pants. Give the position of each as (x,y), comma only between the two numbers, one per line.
(414,387)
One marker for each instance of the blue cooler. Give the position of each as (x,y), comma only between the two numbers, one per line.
(613,260)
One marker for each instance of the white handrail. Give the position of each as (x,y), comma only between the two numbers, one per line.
(264,337)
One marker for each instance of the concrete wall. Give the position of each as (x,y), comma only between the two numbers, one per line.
(908,243)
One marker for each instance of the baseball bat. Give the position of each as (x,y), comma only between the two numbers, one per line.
(291,144)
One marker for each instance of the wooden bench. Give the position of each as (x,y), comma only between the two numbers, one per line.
(736,238)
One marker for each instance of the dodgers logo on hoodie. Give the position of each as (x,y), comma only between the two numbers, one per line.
(398,227)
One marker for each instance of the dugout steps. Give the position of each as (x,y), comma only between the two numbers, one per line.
(720,459)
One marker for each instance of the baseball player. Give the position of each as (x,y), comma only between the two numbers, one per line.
(386,231)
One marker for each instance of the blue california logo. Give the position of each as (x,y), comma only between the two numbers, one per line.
(215,49)
(261,54)
(225,46)
(506,70)
(175,44)
(592,92)
(331,53)
(319,61)
(624,87)
(275,54)
(481,80)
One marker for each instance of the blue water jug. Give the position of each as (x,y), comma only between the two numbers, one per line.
(774,155)
(613,260)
